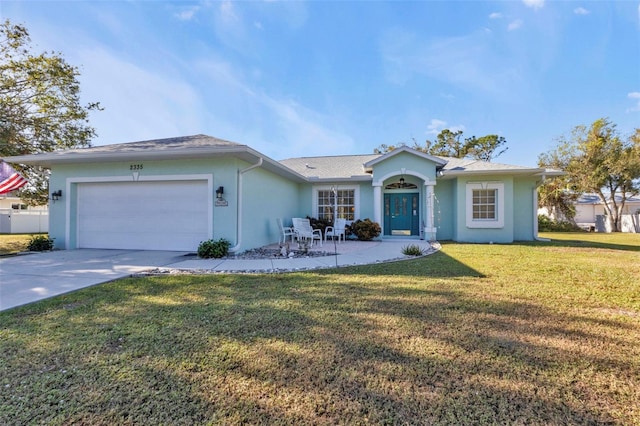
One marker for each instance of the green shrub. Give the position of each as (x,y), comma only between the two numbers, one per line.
(214,249)
(40,243)
(546,224)
(413,250)
(365,230)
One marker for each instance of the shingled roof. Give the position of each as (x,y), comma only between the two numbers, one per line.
(332,167)
(466,165)
(341,167)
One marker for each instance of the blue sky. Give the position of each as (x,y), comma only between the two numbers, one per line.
(325,78)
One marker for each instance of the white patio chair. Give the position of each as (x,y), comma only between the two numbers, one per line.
(304,231)
(285,231)
(337,230)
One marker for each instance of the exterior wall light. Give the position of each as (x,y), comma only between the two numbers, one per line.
(55,196)
(219,192)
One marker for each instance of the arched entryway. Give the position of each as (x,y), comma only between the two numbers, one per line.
(401,209)
(403,204)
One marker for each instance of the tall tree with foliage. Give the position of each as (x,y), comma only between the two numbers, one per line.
(598,160)
(447,144)
(451,144)
(40,108)
(558,194)
(485,148)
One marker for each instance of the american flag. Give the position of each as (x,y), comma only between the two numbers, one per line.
(9,178)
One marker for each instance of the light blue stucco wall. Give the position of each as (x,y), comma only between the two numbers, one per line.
(366,201)
(524,212)
(484,235)
(445,206)
(407,161)
(305,201)
(518,210)
(57,209)
(265,196)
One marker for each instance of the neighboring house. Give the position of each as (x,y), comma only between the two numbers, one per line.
(16,217)
(171,194)
(590,213)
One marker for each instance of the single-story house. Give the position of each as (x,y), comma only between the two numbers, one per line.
(590,213)
(171,194)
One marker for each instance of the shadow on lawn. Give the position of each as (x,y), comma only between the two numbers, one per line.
(310,348)
(436,265)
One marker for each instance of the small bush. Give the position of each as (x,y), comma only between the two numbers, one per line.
(214,249)
(413,250)
(40,243)
(365,230)
(546,224)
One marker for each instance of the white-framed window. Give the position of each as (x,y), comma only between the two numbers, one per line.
(342,201)
(485,205)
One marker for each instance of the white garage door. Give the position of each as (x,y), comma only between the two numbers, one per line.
(164,215)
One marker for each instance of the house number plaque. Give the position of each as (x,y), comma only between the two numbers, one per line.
(135,167)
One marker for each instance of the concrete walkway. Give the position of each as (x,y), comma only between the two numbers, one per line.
(32,277)
(347,253)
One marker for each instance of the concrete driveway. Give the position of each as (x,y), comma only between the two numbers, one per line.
(31,277)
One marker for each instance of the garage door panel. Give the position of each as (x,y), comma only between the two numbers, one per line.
(163,215)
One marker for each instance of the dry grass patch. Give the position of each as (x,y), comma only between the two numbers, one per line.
(14,243)
(476,334)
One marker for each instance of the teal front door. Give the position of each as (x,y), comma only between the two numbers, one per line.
(402,214)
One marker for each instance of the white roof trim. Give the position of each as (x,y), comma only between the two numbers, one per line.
(532,172)
(439,161)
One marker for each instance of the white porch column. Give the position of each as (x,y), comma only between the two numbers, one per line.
(430,228)
(377,204)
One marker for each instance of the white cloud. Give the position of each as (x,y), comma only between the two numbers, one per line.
(230,27)
(144,102)
(495,15)
(188,13)
(278,126)
(581,11)
(517,24)
(228,13)
(436,126)
(534,4)
(635,96)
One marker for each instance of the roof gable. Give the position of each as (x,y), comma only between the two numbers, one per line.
(179,148)
(439,161)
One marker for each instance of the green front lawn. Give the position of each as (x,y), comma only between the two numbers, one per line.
(535,333)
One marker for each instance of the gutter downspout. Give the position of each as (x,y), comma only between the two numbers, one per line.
(535,209)
(239,210)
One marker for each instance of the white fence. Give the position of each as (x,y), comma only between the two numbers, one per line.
(23,221)
(629,223)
